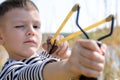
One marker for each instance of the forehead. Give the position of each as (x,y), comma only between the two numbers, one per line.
(18,14)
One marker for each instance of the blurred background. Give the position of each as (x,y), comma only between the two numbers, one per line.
(53,12)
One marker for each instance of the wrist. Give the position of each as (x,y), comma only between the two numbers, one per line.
(67,70)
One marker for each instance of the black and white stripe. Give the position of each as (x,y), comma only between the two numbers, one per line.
(27,69)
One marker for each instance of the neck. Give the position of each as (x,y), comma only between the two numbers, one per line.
(21,57)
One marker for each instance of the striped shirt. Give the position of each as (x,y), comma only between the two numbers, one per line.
(27,69)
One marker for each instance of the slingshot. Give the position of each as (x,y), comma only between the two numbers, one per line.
(77,8)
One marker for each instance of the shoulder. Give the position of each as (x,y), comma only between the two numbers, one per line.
(9,66)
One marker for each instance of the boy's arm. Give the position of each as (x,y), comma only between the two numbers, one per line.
(84,60)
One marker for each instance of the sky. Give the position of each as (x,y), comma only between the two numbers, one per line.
(53,12)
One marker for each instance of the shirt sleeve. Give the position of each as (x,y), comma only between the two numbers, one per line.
(34,72)
(18,71)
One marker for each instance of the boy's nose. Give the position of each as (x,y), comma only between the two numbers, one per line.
(31,31)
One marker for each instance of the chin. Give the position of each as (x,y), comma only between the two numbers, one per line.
(29,51)
(30,54)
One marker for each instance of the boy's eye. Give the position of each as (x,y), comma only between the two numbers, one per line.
(19,26)
(36,27)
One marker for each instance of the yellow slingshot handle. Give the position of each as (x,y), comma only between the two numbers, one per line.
(64,22)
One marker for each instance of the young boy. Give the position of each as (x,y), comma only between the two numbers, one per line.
(20,35)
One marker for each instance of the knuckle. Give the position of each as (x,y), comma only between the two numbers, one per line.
(100,67)
(92,42)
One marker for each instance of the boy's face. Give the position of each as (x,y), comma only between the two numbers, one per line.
(21,32)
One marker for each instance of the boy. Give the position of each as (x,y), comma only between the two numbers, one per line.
(20,35)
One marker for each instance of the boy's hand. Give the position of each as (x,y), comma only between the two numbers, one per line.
(86,59)
(60,51)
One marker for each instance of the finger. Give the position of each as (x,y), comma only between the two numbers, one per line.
(45,46)
(77,69)
(63,53)
(91,45)
(50,36)
(98,66)
(89,72)
(64,47)
(61,50)
(59,37)
(91,55)
(104,49)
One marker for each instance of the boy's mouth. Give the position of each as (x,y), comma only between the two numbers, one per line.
(30,42)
